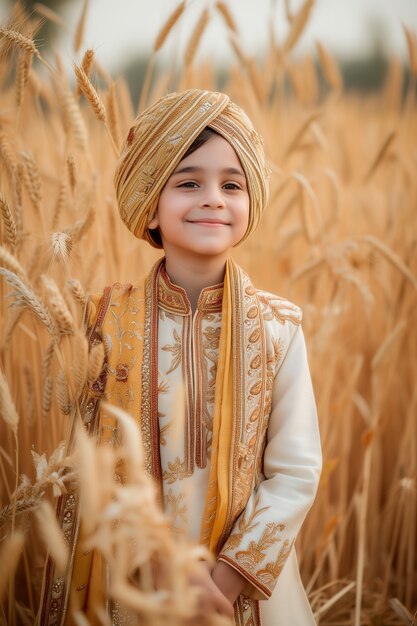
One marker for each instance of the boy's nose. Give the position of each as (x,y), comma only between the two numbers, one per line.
(213,197)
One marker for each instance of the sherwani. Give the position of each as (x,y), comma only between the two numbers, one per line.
(238,468)
(260,545)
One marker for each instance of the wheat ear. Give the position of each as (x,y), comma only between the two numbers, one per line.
(58,307)
(195,38)
(52,535)
(27,299)
(48,14)
(62,393)
(380,155)
(90,93)
(329,67)
(10,553)
(19,40)
(298,24)
(23,67)
(95,362)
(168,26)
(9,262)
(7,407)
(79,32)
(61,244)
(77,291)
(224,11)
(10,230)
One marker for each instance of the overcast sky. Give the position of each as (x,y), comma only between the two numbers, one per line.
(117,30)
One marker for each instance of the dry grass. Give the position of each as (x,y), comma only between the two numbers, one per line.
(338,237)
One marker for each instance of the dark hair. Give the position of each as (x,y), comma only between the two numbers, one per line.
(206,134)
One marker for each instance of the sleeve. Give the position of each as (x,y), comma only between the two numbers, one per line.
(264,534)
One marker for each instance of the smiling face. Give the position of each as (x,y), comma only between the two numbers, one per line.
(203,209)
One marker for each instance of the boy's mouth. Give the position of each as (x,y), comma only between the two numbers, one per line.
(209,221)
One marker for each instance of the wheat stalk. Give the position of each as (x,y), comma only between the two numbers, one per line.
(10,553)
(90,93)
(168,26)
(61,244)
(113,111)
(81,359)
(32,179)
(23,67)
(77,291)
(412,50)
(21,506)
(72,118)
(298,25)
(62,393)
(380,155)
(60,202)
(224,11)
(19,40)
(329,67)
(47,398)
(52,535)
(27,299)
(71,172)
(87,61)
(9,223)
(195,37)
(95,362)
(9,262)
(8,156)
(48,14)
(59,310)
(7,407)
(79,32)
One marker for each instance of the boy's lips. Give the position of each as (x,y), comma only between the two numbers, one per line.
(212,221)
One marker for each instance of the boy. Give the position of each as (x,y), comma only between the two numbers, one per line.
(243,472)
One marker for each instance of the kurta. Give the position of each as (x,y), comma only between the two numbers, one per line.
(256,440)
(260,545)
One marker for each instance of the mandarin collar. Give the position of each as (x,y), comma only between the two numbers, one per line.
(174,299)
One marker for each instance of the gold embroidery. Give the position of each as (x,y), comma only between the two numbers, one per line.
(175,507)
(162,431)
(176,350)
(245,525)
(256,550)
(176,471)
(272,570)
(281,310)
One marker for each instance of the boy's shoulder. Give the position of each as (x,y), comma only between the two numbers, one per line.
(276,308)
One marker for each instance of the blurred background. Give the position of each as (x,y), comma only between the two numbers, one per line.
(361,34)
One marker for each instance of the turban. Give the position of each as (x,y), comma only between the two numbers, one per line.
(159,139)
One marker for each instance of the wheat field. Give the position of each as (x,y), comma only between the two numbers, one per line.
(339,238)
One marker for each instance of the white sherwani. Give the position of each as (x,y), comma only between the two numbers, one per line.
(261,543)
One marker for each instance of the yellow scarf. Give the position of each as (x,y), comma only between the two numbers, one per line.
(130,381)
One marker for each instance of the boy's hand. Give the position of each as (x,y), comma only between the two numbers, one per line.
(212,600)
(228,580)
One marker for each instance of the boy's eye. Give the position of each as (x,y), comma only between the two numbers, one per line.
(188,184)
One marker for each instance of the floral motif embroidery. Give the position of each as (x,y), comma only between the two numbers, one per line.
(175,348)
(272,570)
(175,507)
(176,471)
(281,310)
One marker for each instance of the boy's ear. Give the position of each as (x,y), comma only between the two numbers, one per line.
(154,223)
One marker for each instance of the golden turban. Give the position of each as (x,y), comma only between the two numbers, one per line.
(158,140)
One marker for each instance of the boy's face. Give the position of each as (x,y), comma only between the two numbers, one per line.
(203,209)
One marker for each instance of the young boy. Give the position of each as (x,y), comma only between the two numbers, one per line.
(243,472)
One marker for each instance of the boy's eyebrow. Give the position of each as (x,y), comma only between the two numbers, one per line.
(192,169)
